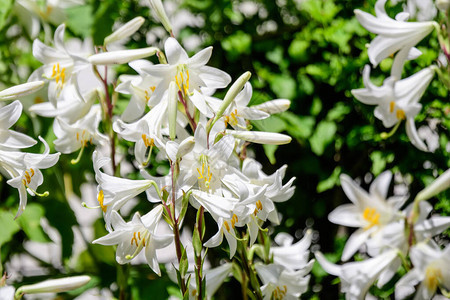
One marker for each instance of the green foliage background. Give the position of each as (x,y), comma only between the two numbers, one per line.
(314,57)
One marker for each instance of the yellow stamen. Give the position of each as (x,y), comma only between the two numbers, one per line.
(433,276)
(259,205)
(153,88)
(134,239)
(391,106)
(206,176)
(100,200)
(371,216)
(234,220)
(226,225)
(32,172)
(401,114)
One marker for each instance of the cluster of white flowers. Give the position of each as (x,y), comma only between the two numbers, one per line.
(397,99)
(390,236)
(21,168)
(172,115)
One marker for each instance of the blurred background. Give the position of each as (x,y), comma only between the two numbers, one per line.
(310,52)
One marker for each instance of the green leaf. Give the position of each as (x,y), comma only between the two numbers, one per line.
(323,136)
(338,112)
(104,19)
(269,150)
(330,182)
(80,20)
(30,221)
(184,264)
(284,86)
(8,227)
(237,44)
(300,127)
(5,7)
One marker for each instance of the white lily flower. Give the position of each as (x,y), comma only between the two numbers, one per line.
(136,235)
(7,292)
(431,269)
(213,280)
(281,283)
(397,100)
(29,177)
(140,87)
(393,35)
(9,115)
(21,90)
(54,285)
(369,212)
(423,10)
(71,137)
(126,30)
(289,255)
(190,74)
(114,192)
(357,277)
(60,65)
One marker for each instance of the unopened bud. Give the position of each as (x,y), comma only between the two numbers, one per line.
(172,110)
(261,137)
(443,5)
(186,146)
(121,56)
(160,13)
(274,106)
(237,86)
(21,90)
(54,285)
(438,185)
(125,30)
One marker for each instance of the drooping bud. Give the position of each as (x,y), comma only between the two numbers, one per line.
(21,90)
(186,146)
(125,30)
(121,56)
(274,106)
(261,137)
(54,285)
(160,13)
(443,5)
(172,110)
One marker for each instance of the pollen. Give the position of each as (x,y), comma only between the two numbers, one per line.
(232,118)
(28,175)
(433,276)
(182,82)
(100,199)
(148,142)
(59,74)
(205,174)
(391,106)
(234,220)
(279,293)
(401,114)
(226,225)
(371,216)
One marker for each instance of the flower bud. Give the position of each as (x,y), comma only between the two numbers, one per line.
(160,13)
(438,185)
(274,106)
(237,86)
(172,110)
(121,56)
(443,5)
(54,285)
(21,90)
(261,137)
(125,31)
(186,146)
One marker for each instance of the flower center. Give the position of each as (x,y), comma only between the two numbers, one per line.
(372,217)
(148,92)
(59,74)
(138,239)
(182,81)
(28,176)
(433,276)
(279,293)
(84,138)
(205,172)
(100,200)
(400,113)
(148,142)
(232,118)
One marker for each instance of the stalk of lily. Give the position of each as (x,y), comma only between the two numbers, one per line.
(237,86)
(160,13)
(53,286)
(121,56)
(21,90)
(125,31)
